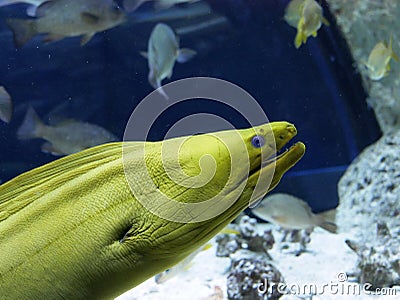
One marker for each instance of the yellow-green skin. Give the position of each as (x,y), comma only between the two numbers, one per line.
(72,229)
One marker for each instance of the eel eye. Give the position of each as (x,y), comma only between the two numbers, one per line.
(258,141)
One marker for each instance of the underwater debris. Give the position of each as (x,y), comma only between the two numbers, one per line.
(378,260)
(250,273)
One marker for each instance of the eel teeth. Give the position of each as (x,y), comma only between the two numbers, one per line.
(275,157)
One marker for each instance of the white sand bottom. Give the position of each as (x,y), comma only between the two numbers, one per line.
(327,260)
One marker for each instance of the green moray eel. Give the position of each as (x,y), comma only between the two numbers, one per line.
(74,228)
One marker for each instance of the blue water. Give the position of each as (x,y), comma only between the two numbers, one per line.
(314,87)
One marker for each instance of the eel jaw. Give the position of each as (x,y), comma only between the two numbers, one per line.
(279,165)
(285,161)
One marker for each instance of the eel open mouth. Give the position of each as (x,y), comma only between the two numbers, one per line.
(275,156)
(279,165)
(295,152)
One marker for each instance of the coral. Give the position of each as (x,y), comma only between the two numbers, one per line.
(247,226)
(249,239)
(227,244)
(246,276)
(252,239)
(250,261)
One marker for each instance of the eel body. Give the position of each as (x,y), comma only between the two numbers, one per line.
(83,226)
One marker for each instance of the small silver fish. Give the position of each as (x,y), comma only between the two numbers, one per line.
(132,5)
(290,212)
(67,137)
(163,51)
(66,18)
(5,105)
(378,64)
(293,12)
(199,10)
(33,5)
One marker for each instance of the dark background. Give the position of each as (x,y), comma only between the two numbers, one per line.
(314,87)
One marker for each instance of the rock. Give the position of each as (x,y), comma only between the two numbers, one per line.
(292,237)
(369,210)
(247,227)
(227,244)
(378,262)
(370,188)
(246,276)
(261,243)
(249,239)
(364,23)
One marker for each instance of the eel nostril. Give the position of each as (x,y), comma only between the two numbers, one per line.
(291,129)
